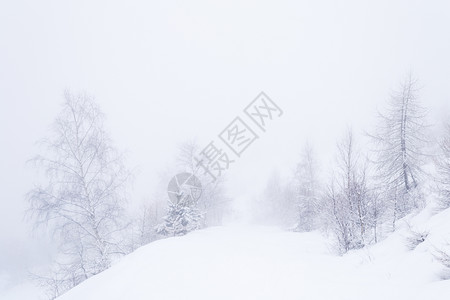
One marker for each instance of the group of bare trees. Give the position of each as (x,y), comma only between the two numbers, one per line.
(83,202)
(367,192)
(387,183)
(143,221)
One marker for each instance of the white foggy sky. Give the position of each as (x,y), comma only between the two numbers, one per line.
(167,71)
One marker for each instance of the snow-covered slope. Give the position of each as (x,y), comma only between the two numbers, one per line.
(265,263)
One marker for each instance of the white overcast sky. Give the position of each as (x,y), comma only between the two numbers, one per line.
(167,71)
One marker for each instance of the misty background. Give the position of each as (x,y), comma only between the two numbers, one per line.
(168,71)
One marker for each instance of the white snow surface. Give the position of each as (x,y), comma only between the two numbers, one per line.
(255,262)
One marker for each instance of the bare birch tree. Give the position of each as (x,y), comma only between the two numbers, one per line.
(348,199)
(336,217)
(83,200)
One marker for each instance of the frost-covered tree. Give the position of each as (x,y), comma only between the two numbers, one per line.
(347,201)
(187,214)
(181,218)
(83,199)
(443,169)
(336,217)
(400,141)
(353,186)
(306,190)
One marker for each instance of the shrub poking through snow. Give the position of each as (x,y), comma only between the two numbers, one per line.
(444,258)
(416,238)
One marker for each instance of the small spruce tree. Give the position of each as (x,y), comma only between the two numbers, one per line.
(181,218)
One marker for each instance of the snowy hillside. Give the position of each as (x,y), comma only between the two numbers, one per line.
(243,262)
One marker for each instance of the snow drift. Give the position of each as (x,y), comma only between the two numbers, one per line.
(244,262)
